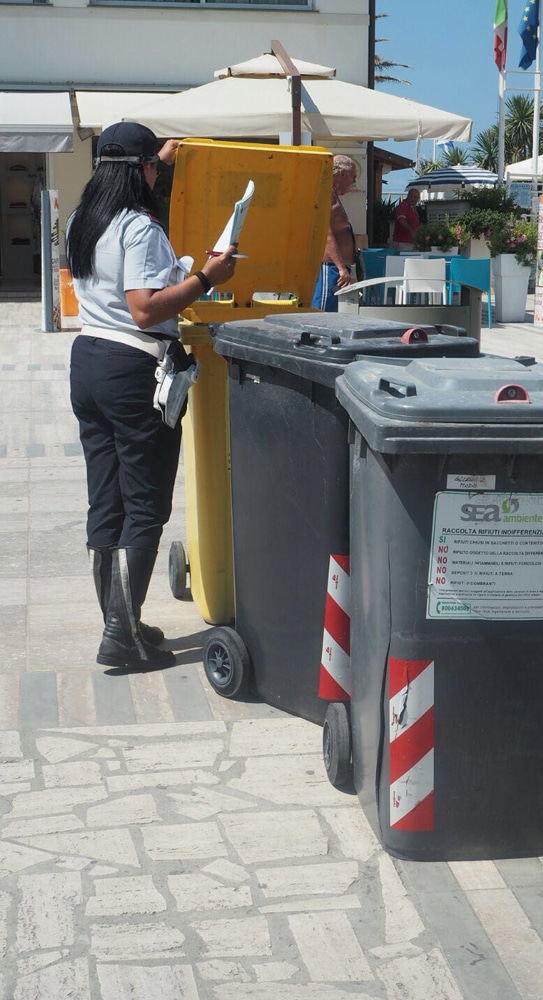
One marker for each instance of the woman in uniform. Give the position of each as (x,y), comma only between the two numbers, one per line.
(130,288)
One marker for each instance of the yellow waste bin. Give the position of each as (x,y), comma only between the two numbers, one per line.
(284,235)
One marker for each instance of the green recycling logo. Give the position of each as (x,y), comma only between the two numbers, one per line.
(510,506)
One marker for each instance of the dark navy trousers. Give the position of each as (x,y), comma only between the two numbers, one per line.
(131,455)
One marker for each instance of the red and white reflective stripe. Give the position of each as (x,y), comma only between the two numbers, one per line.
(335,673)
(411,734)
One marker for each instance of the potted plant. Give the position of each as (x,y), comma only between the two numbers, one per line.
(512,243)
(383,222)
(485,206)
(471,227)
(436,236)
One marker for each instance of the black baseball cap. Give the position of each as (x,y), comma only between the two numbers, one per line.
(135,143)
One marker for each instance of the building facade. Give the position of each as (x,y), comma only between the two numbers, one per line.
(53,55)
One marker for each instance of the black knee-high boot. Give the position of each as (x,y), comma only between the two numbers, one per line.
(100,560)
(123,643)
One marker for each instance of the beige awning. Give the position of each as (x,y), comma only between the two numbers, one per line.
(99,108)
(35,122)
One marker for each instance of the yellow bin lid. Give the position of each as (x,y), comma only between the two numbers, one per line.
(285,229)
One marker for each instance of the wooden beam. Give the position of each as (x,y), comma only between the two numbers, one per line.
(296,88)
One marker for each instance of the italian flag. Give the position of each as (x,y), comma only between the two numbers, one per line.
(500,34)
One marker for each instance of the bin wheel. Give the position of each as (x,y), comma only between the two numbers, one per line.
(336,743)
(177,570)
(226,662)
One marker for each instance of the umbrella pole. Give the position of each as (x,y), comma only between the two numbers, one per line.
(296,88)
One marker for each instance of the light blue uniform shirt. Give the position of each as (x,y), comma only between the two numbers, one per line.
(134,252)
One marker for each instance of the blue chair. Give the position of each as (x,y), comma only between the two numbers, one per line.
(374,260)
(474,272)
(374,267)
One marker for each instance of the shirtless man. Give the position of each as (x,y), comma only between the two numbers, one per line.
(338,267)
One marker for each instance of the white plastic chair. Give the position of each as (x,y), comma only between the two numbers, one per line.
(425,277)
(394,267)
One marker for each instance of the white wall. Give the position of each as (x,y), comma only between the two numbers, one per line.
(71,44)
(67,173)
(67,44)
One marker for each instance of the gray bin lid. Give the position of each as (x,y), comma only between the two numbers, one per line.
(350,327)
(319,346)
(484,404)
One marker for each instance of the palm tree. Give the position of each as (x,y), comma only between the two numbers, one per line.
(519,116)
(455,157)
(484,152)
(425,166)
(450,158)
(382,65)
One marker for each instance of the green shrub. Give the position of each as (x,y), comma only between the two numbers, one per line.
(438,234)
(474,223)
(494,199)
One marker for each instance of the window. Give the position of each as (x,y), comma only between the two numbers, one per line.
(262,3)
(285,4)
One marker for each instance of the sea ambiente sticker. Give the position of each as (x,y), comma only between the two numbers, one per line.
(486,558)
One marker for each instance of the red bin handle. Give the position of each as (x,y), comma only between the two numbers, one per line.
(512,393)
(414,336)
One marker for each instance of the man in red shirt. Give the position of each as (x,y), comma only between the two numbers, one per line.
(406,221)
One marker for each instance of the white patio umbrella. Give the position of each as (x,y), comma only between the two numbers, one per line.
(268,65)
(247,102)
(523,170)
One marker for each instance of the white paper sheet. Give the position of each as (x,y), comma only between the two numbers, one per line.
(232,230)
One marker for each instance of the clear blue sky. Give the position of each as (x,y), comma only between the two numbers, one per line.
(450,49)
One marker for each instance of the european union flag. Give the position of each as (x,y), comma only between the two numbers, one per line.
(528,31)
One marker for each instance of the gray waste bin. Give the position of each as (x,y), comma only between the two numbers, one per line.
(290,479)
(447,604)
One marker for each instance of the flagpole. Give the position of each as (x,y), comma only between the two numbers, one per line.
(500,55)
(535,129)
(501,127)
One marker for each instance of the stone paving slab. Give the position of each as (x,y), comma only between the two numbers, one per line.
(49,618)
(134,863)
(159,841)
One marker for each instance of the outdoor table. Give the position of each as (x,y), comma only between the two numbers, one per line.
(466,313)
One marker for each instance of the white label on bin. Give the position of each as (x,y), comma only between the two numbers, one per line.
(486,558)
(469,482)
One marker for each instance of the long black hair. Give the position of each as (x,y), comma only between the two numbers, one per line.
(113,188)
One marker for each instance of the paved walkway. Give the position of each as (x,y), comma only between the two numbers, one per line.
(158,841)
